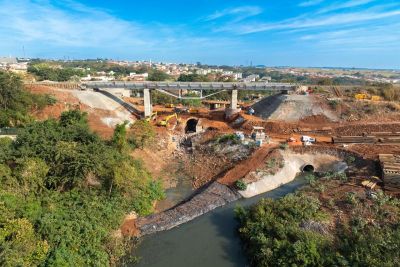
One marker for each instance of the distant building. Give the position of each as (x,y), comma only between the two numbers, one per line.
(251,78)
(8,60)
(266,79)
(12,64)
(138,77)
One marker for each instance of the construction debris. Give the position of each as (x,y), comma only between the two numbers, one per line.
(390,165)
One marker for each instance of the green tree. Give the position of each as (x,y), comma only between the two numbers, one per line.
(158,75)
(15,101)
(119,138)
(20,245)
(141,133)
(193,78)
(32,174)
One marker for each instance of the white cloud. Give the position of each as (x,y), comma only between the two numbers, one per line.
(239,13)
(310,3)
(71,28)
(344,5)
(380,37)
(81,26)
(310,21)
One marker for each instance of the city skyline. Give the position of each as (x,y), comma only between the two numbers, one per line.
(310,33)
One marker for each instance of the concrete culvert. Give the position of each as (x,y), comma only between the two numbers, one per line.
(308,168)
(191,126)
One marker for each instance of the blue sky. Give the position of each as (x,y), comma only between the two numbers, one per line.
(348,33)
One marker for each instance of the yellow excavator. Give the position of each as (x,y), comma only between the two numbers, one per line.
(165,121)
(152,117)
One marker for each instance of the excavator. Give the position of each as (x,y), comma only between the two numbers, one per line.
(153,117)
(165,121)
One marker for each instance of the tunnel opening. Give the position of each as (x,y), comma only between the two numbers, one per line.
(308,168)
(191,126)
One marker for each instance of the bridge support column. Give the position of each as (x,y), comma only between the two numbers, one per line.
(233,109)
(234,99)
(148,109)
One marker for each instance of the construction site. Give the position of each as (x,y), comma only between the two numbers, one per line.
(207,158)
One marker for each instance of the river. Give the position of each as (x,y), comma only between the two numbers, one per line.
(210,240)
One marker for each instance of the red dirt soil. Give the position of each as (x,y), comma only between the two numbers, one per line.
(66,101)
(256,160)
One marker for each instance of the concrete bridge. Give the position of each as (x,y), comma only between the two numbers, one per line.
(176,89)
(204,89)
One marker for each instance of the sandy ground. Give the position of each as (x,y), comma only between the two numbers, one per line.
(291,108)
(104,113)
(293,164)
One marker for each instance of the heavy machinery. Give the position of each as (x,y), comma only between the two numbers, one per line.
(307,140)
(164,122)
(361,96)
(152,117)
(367,97)
(194,111)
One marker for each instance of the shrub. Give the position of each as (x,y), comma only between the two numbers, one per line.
(141,134)
(333,103)
(233,138)
(351,198)
(241,185)
(310,178)
(350,159)
(284,146)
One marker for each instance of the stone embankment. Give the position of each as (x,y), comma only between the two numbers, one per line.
(213,196)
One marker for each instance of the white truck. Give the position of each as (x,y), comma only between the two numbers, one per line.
(307,140)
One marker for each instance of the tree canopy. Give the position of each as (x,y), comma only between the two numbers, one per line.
(66,190)
(16,102)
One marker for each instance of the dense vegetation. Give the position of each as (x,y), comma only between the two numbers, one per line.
(63,191)
(15,102)
(44,71)
(303,230)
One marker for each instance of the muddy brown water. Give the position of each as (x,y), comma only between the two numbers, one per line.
(210,240)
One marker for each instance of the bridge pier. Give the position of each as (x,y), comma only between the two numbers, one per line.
(148,109)
(234,99)
(233,109)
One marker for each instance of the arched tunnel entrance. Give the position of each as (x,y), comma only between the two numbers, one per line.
(191,125)
(308,168)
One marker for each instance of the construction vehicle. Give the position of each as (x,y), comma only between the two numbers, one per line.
(361,96)
(250,111)
(165,121)
(152,117)
(376,98)
(181,110)
(367,97)
(194,111)
(170,105)
(307,139)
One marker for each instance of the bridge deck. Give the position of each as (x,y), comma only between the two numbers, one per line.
(192,85)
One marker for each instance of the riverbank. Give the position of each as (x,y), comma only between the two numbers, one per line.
(215,195)
(293,163)
(210,240)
